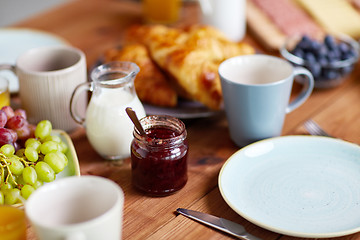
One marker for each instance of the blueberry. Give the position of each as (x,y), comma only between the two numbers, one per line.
(315,69)
(322,52)
(352,53)
(298,52)
(343,47)
(331,74)
(323,61)
(334,54)
(330,41)
(305,42)
(310,57)
(315,46)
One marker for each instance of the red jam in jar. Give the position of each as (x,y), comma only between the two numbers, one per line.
(159,159)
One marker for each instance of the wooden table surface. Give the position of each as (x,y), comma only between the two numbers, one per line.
(96,25)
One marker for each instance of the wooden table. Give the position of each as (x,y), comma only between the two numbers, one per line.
(96,25)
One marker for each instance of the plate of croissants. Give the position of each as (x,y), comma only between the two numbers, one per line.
(178,67)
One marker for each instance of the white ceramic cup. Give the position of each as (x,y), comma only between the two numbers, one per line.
(229,16)
(77,208)
(47,77)
(256,91)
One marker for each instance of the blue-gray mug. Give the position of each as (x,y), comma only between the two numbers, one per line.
(256,91)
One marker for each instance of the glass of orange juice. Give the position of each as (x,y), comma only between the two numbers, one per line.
(12,223)
(161,11)
(4,92)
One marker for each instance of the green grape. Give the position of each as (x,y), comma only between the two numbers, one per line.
(29,175)
(31,154)
(20,180)
(44,172)
(49,146)
(63,147)
(34,143)
(43,129)
(7,149)
(6,186)
(63,156)
(55,161)
(20,152)
(2,196)
(12,181)
(37,184)
(53,138)
(16,167)
(26,191)
(11,196)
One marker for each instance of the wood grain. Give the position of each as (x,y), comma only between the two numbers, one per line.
(96,25)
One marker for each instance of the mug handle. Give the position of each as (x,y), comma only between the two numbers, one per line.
(308,86)
(86,86)
(8,67)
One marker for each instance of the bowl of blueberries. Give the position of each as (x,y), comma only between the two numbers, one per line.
(329,59)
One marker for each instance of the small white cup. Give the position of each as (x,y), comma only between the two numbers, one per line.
(47,77)
(256,91)
(77,208)
(229,16)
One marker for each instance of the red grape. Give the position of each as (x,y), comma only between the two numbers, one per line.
(14,134)
(6,136)
(16,122)
(3,118)
(24,132)
(9,111)
(20,112)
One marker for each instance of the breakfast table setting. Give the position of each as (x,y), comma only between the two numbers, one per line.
(289,185)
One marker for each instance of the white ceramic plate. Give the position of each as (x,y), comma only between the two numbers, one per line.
(15,41)
(303,186)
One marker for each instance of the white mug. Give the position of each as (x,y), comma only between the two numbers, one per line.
(77,208)
(229,16)
(47,77)
(256,91)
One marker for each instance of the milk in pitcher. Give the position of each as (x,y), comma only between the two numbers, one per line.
(108,127)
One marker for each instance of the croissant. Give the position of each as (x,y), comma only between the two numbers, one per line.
(151,84)
(191,57)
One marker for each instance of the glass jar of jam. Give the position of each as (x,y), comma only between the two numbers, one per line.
(159,159)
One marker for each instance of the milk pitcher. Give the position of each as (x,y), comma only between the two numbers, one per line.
(108,127)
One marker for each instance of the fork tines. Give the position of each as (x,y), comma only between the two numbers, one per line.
(314,129)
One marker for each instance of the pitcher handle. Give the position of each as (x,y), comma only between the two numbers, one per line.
(308,86)
(86,86)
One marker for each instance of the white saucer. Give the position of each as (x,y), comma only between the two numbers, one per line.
(14,41)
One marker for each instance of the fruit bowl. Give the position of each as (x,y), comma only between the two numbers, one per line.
(329,59)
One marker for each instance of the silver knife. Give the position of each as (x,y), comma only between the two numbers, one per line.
(221,224)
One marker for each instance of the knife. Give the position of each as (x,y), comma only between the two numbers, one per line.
(221,224)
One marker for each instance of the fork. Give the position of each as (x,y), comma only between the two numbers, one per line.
(314,129)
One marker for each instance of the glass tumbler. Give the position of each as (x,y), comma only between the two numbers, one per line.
(12,223)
